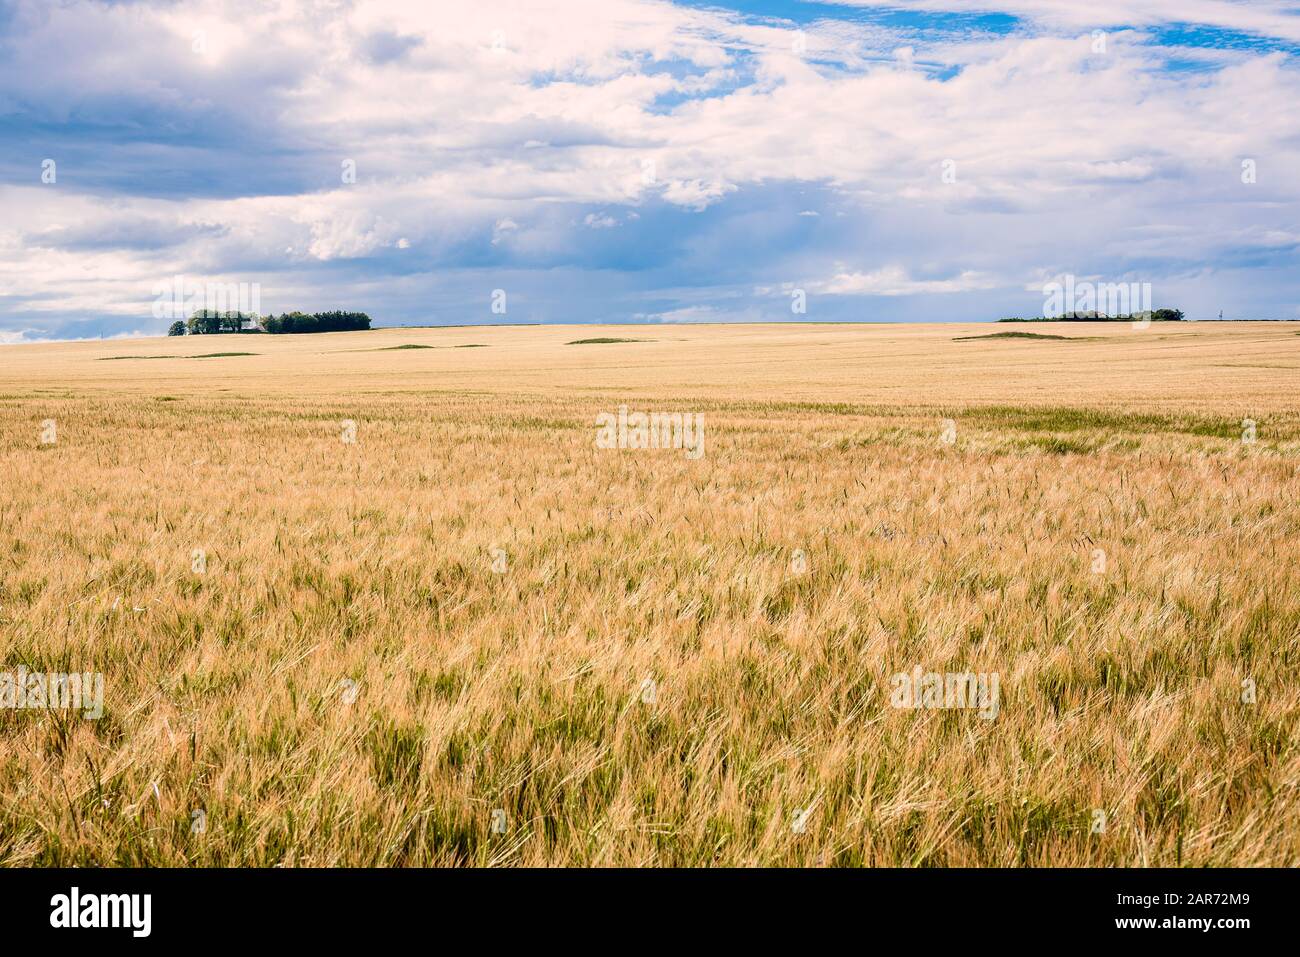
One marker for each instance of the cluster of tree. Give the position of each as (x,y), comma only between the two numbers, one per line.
(1155,315)
(206,322)
(317,322)
(209,322)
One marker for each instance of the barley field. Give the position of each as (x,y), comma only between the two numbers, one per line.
(378,598)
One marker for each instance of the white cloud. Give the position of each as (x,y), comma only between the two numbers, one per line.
(1057,151)
(1270,18)
(502,229)
(895,281)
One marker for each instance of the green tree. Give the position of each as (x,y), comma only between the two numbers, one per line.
(234,321)
(298,322)
(205,322)
(177,329)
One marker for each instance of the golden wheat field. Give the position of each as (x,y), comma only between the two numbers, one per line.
(356,604)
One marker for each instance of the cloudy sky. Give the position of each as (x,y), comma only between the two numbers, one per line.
(645,161)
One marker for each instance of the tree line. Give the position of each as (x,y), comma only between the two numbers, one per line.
(207,322)
(1157,315)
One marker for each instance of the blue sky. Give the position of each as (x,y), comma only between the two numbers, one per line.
(645,161)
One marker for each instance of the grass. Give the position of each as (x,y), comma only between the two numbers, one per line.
(205,355)
(1019,335)
(412,345)
(1030,418)
(1056,445)
(603,340)
(392,640)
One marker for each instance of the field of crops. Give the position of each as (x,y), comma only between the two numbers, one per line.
(380,598)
